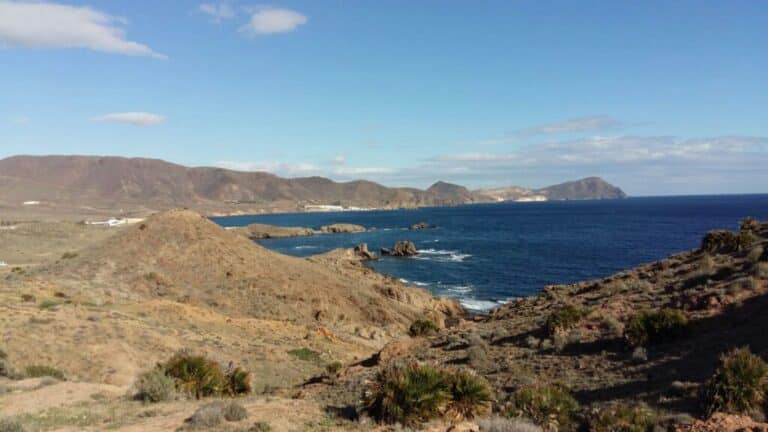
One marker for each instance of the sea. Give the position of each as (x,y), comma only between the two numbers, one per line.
(487,254)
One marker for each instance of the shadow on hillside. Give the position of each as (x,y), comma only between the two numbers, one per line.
(693,359)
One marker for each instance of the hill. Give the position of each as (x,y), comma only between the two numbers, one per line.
(78,186)
(115,181)
(586,336)
(177,281)
(587,188)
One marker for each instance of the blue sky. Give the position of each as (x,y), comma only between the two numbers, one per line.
(657,97)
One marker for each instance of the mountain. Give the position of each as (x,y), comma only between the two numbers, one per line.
(90,182)
(113,181)
(586,188)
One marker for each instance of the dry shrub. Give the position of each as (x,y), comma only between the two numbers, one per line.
(550,406)
(739,383)
(655,327)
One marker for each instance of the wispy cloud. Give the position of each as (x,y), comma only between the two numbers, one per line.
(217,11)
(19,120)
(270,20)
(642,165)
(285,169)
(51,25)
(132,118)
(583,124)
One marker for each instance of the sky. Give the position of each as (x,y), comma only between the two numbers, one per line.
(657,97)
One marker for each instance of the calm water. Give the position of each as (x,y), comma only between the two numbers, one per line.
(485,254)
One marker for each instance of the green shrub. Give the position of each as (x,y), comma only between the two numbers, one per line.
(69,255)
(155,386)
(239,382)
(471,395)
(260,426)
(622,418)
(334,367)
(49,304)
(739,383)
(8,425)
(564,318)
(655,327)
(422,328)
(37,371)
(409,394)
(305,354)
(196,375)
(550,406)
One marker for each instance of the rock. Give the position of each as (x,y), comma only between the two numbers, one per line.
(401,249)
(261,231)
(342,228)
(362,251)
(420,226)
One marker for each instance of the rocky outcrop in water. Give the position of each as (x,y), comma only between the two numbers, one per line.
(362,251)
(420,226)
(342,228)
(401,249)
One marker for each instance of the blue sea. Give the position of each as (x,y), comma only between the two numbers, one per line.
(486,254)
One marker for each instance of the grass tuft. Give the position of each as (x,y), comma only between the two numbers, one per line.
(622,418)
(550,406)
(564,318)
(654,327)
(422,328)
(739,383)
(38,371)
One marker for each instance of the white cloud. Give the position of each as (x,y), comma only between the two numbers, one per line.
(217,11)
(641,165)
(279,168)
(583,124)
(132,118)
(339,159)
(51,25)
(269,20)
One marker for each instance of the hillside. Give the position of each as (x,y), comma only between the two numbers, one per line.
(75,187)
(587,188)
(177,281)
(584,336)
(116,181)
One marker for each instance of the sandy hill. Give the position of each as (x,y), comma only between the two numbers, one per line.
(182,256)
(177,280)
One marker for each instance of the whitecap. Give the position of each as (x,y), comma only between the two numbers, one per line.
(478,305)
(305,247)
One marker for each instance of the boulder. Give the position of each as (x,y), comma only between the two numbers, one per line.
(362,251)
(401,249)
(342,228)
(420,226)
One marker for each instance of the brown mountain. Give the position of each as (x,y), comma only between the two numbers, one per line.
(586,188)
(112,181)
(87,182)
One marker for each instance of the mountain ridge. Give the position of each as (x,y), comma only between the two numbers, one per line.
(111,181)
